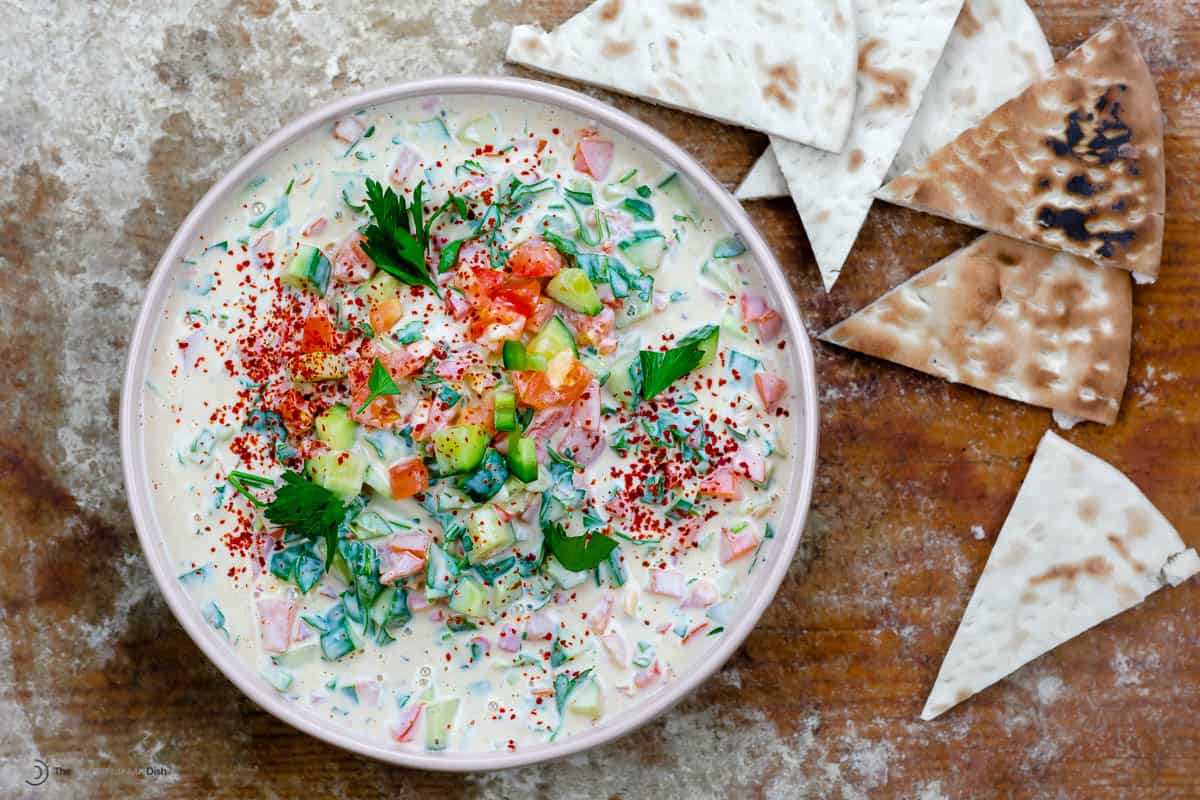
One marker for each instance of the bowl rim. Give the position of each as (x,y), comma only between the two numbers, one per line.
(136,473)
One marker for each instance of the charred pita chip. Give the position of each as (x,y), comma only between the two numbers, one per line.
(783,68)
(1020,321)
(1074,162)
(1081,544)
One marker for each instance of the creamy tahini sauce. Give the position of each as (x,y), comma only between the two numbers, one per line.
(199,400)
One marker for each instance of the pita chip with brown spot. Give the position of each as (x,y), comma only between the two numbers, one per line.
(1074,162)
(1080,545)
(784,68)
(899,44)
(1020,321)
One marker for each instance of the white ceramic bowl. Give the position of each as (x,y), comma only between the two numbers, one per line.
(803,408)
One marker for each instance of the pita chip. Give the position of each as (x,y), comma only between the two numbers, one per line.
(995,50)
(784,68)
(899,43)
(1074,162)
(1020,321)
(1081,544)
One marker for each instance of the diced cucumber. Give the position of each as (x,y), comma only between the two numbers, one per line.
(381,288)
(459,448)
(441,573)
(508,589)
(432,130)
(742,368)
(482,484)
(536,362)
(564,577)
(554,338)
(439,723)
(298,655)
(632,310)
(338,471)
(587,699)
(522,457)
(471,597)
(719,276)
(574,289)
(645,249)
(308,268)
(279,678)
(391,608)
(679,195)
(729,247)
(504,410)
(481,130)
(597,366)
(707,338)
(514,355)
(489,534)
(335,428)
(625,381)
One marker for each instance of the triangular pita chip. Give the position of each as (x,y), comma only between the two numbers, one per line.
(996,49)
(1020,321)
(785,68)
(1081,544)
(1074,162)
(899,42)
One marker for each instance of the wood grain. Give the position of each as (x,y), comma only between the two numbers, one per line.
(823,698)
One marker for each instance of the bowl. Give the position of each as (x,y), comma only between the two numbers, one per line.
(803,409)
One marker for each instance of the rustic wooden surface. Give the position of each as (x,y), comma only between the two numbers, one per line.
(118,115)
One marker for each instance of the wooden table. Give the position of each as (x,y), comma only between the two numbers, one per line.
(915,476)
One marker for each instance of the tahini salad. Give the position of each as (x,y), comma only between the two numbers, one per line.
(468,424)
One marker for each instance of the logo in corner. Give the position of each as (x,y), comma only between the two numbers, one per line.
(41,771)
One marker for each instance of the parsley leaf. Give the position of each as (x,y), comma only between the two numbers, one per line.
(396,237)
(380,383)
(564,687)
(577,553)
(309,510)
(660,370)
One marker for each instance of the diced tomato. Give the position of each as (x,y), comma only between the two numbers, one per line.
(756,310)
(535,258)
(667,582)
(750,461)
(405,725)
(407,478)
(495,323)
(771,389)
(459,307)
(593,157)
(318,335)
(408,360)
(720,483)
(386,314)
(481,413)
(598,331)
(477,282)
(350,262)
(543,310)
(520,293)
(736,545)
(276,615)
(536,390)
(296,412)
